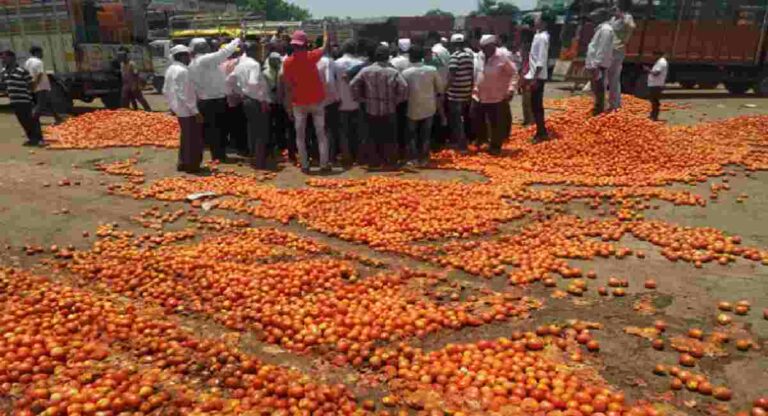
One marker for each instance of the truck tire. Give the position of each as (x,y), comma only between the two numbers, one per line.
(761,86)
(158,82)
(737,88)
(111,101)
(61,101)
(688,85)
(641,86)
(708,85)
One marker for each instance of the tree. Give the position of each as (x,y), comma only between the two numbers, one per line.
(496,8)
(438,12)
(275,9)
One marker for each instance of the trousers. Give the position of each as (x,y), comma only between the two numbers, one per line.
(458,121)
(257,131)
(191,144)
(214,114)
(613,75)
(420,135)
(300,114)
(29,122)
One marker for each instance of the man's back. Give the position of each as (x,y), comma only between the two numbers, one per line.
(381,87)
(301,74)
(424,83)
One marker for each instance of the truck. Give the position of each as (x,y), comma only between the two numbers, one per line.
(80,41)
(707,42)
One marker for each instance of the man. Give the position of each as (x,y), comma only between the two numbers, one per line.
(657,79)
(439,57)
(234,134)
(306,94)
(18,85)
(349,109)
(598,59)
(329,73)
(251,84)
(180,93)
(401,62)
(495,85)
(460,83)
(526,39)
(623,25)
(41,85)
(380,87)
(424,86)
(211,90)
(536,77)
(131,91)
(278,119)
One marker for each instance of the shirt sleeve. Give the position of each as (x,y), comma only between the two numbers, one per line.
(401,88)
(315,55)
(439,83)
(539,52)
(185,92)
(511,70)
(218,57)
(357,86)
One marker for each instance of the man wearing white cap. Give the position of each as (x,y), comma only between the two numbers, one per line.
(180,93)
(248,82)
(211,90)
(401,62)
(459,92)
(495,84)
(538,72)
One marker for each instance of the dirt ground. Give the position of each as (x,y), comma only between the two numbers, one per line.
(31,204)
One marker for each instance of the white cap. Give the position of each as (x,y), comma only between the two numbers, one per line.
(457,38)
(178,49)
(384,44)
(486,40)
(443,40)
(196,41)
(404,44)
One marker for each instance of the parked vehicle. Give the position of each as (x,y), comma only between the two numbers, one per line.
(80,41)
(707,42)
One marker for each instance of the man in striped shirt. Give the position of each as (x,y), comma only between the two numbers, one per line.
(460,83)
(18,85)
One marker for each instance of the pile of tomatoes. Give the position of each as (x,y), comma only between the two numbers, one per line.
(114,128)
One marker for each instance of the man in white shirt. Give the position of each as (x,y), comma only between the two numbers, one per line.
(623,25)
(329,74)
(350,116)
(598,60)
(657,78)
(41,85)
(538,73)
(424,86)
(211,90)
(249,82)
(402,62)
(180,93)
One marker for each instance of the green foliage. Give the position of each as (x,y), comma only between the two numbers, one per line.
(438,12)
(275,9)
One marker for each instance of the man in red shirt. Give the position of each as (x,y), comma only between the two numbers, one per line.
(305,94)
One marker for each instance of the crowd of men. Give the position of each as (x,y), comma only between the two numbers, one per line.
(361,102)
(605,58)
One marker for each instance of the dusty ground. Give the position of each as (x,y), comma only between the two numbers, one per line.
(30,214)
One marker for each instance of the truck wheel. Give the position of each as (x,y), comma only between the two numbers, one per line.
(708,85)
(737,88)
(111,101)
(60,99)
(158,82)
(688,85)
(761,86)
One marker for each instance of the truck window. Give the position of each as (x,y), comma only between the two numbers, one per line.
(158,51)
